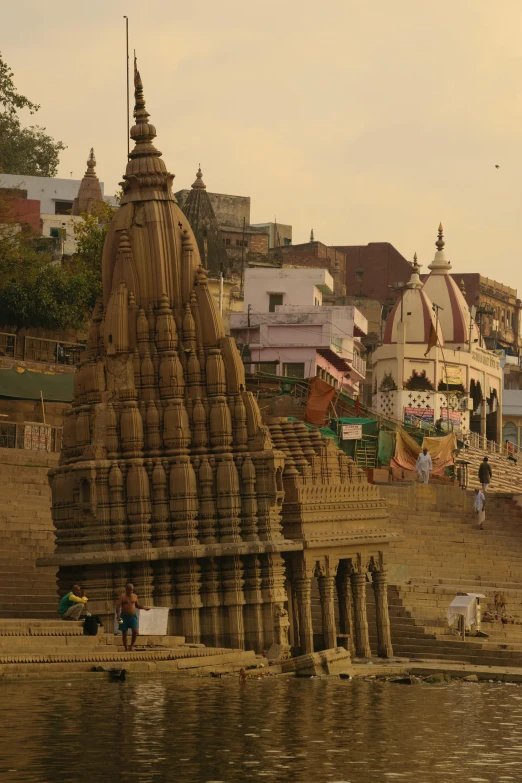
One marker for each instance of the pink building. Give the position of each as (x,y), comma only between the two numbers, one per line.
(289,332)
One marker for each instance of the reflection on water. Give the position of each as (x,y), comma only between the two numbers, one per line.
(281,729)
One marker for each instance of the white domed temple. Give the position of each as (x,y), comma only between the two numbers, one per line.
(432,363)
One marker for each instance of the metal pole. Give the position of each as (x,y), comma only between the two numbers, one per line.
(221,292)
(243,256)
(128,104)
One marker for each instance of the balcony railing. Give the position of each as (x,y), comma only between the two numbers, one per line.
(32,436)
(7,344)
(359,365)
(37,349)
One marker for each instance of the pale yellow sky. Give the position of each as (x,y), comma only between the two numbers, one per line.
(370,121)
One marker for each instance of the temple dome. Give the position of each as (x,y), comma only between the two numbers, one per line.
(454,314)
(415,310)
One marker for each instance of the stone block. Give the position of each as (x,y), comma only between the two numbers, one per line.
(396,474)
(409,475)
(379,476)
(333,661)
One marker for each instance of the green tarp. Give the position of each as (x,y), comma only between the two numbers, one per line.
(386,447)
(27,385)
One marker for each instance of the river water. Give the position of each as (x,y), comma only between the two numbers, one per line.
(198,730)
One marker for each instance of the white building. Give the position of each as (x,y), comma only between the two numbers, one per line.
(286,331)
(418,377)
(56,197)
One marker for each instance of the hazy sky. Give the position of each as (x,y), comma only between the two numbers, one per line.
(369,120)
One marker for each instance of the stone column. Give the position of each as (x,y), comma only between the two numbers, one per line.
(380,588)
(303,590)
(362,642)
(326,592)
(346,610)
(483,413)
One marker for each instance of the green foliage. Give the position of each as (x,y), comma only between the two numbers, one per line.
(90,233)
(28,151)
(37,293)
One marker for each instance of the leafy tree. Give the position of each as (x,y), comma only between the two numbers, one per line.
(90,233)
(29,151)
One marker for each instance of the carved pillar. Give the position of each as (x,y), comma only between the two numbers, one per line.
(232,580)
(346,620)
(253,614)
(326,593)
(187,574)
(211,629)
(303,590)
(380,588)
(362,641)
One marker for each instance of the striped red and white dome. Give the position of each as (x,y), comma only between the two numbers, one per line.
(453,311)
(414,308)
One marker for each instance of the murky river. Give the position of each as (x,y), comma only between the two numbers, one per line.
(305,731)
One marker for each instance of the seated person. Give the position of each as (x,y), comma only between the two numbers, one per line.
(73,604)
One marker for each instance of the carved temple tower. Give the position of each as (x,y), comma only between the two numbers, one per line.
(168,477)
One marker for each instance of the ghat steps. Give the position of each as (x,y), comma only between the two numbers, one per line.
(443,553)
(28,646)
(26,533)
(507,477)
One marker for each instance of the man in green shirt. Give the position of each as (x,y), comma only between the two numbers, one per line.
(73,604)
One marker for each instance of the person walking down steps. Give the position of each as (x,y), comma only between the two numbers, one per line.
(485,474)
(479,505)
(424,466)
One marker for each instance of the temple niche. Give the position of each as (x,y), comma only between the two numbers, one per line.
(168,477)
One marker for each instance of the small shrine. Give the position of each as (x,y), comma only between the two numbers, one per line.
(432,364)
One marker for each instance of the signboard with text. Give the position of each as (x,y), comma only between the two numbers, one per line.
(419,417)
(352,431)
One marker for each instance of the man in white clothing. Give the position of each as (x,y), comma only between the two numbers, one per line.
(480,507)
(424,465)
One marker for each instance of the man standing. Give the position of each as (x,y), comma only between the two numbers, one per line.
(73,604)
(480,507)
(128,603)
(485,474)
(424,465)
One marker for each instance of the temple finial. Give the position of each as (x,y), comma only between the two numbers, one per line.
(439,244)
(91,164)
(198,183)
(415,264)
(312,236)
(139,98)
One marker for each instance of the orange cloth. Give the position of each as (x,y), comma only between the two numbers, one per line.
(321,395)
(407,450)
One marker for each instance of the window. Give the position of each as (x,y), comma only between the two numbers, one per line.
(294,370)
(503,315)
(62,207)
(55,232)
(287,241)
(508,318)
(226,241)
(273,300)
(242,242)
(268,367)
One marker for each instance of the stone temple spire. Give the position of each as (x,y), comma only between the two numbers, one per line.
(440,265)
(89,191)
(146,177)
(200,214)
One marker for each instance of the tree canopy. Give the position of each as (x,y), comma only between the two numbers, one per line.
(37,292)
(23,150)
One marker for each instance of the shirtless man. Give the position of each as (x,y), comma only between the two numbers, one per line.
(126,614)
